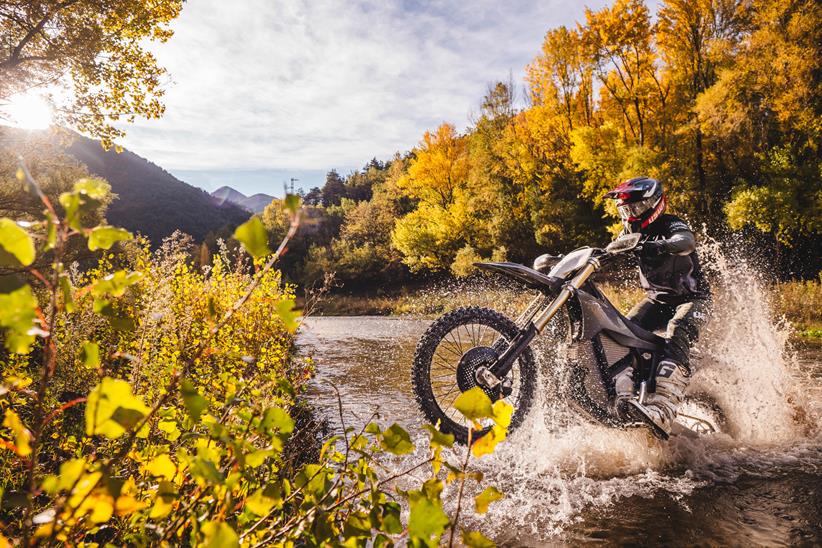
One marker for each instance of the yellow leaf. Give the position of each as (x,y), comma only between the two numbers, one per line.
(126,504)
(487,443)
(22,436)
(162,466)
(112,409)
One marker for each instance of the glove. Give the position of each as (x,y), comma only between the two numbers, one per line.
(652,249)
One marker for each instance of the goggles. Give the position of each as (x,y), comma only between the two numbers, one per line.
(632,211)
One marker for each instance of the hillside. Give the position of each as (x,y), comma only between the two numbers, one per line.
(151,201)
(255,203)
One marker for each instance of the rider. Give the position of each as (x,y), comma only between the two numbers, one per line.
(677,294)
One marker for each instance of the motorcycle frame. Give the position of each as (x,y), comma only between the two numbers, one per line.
(590,314)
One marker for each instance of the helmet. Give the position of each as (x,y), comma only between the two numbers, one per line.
(640,202)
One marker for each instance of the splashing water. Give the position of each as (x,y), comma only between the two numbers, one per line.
(559,471)
(557,465)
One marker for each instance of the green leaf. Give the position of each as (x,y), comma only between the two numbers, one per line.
(90,355)
(115,284)
(18,314)
(291,203)
(194,402)
(257,458)
(314,480)
(277,418)
(484,499)
(357,526)
(253,236)
(287,313)
(51,233)
(396,440)
(218,534)
(16,246)
(68,299)
(103,237)
(438,439)
(475,539)
(264,499)
(427,520)
(203,468)
(71,204)
(386,517)
(96,189)
(112,408)
(474,404)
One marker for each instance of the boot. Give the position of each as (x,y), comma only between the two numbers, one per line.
(659,409)
(624,388)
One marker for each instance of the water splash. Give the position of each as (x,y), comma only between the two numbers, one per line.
(558,466)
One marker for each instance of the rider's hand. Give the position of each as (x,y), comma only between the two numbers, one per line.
(652,249)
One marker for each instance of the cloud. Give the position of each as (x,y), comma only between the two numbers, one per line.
(316,84)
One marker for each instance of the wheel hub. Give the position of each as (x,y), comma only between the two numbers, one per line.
(479,356)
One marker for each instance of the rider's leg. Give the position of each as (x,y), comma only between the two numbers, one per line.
(673,373)
(649,315)
(683,331)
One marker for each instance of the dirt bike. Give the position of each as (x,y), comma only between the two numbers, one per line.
(476,346)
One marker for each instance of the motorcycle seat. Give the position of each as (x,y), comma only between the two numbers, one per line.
(525,275)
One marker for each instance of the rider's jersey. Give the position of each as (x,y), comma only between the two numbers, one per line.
(675,276)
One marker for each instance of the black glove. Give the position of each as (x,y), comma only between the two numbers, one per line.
(652,249)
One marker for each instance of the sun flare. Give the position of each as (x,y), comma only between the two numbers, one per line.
(28,111)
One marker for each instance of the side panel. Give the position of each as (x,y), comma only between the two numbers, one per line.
(599,316)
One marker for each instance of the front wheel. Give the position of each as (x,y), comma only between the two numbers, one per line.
(443,367)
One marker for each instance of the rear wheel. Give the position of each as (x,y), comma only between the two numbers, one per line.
(445,365)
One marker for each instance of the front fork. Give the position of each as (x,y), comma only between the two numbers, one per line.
(492,376)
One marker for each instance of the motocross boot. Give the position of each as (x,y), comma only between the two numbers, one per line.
(624,388)
(659,409)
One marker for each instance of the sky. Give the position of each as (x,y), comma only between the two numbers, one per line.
(261,91)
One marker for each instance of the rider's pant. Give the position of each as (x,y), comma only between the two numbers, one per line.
(683,324)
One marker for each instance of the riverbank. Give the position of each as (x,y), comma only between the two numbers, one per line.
(798,302)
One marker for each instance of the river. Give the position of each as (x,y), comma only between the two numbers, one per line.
(576,483)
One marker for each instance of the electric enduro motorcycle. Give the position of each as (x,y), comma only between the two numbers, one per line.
(476,346)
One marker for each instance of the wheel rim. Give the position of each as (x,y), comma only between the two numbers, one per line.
(442,373)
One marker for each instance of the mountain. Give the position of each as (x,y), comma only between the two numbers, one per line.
(228,194)
(255,203)
(152,201)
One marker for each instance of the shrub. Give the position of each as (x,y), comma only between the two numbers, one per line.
(146,402)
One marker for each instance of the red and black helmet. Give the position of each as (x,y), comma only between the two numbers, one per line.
(640,202)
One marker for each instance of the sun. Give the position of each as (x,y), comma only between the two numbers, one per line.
(27,111)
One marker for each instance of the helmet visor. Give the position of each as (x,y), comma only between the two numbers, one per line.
(633,211)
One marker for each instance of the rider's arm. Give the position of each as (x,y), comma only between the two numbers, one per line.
(680,243)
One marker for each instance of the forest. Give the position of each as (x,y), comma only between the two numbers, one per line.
(719,100)
(151,392)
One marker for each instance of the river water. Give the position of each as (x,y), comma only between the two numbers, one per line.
(569,482)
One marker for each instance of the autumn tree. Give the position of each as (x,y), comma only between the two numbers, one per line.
(764,110)
(561,77)
(437,179)
(96,50)
(695,40)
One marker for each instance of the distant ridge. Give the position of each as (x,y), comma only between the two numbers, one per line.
(255,203)
(150,200)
